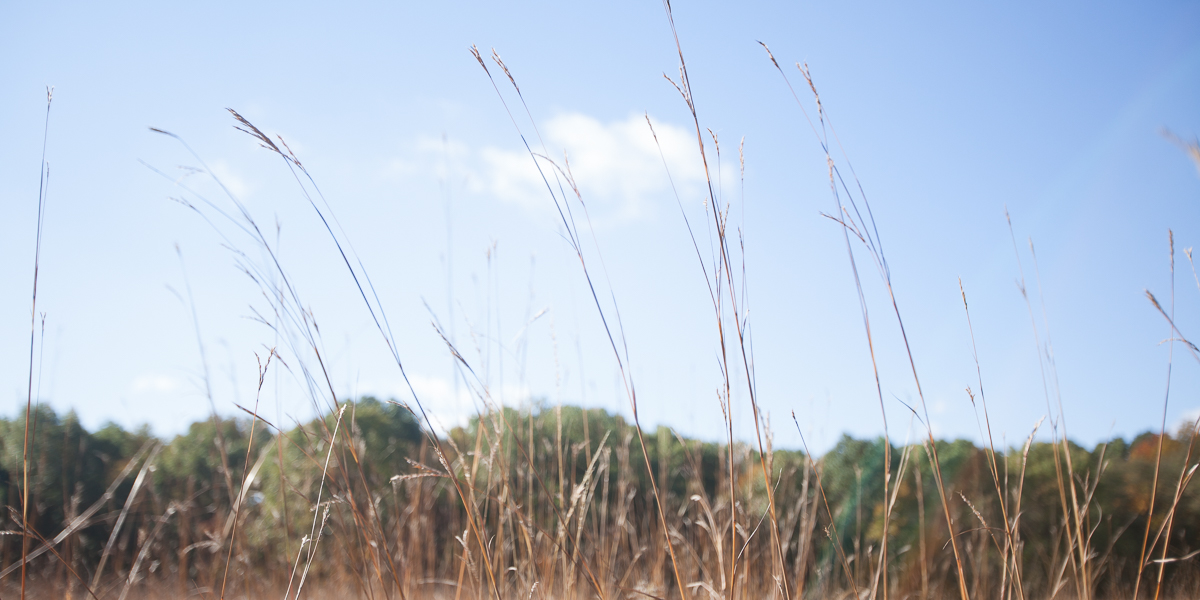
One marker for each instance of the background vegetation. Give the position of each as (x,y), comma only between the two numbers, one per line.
(579,508)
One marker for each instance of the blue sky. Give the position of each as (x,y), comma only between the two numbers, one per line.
(949,113)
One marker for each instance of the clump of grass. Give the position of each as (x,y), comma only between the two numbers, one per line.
(555,502)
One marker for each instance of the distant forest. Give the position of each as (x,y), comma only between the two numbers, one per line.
(238,499)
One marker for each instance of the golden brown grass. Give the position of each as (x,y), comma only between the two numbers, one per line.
(506,509)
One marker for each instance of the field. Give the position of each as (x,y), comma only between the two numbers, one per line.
(374,499)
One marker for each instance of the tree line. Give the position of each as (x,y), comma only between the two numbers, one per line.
(361,497)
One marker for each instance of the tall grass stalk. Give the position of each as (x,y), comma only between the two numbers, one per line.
(1163,428)
(43,185)
(722,276)
(561,201)
(851,219)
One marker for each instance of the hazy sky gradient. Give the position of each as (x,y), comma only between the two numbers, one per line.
(949,113)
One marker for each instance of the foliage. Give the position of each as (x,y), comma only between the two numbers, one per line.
(382,483)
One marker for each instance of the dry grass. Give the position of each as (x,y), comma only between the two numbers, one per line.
(565,503)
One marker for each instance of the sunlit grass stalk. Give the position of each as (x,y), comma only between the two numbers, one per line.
(1008,552)
(313,535)
(834,535)
(43,185)
(724,269)
(247,474)
(568,220)
(866,231)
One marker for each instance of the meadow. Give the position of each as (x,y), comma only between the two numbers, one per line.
(374,500)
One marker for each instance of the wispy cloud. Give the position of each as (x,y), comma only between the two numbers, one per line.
(617,165)
(239,186)
(153,383)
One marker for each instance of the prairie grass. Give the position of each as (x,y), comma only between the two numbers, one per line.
(373,500)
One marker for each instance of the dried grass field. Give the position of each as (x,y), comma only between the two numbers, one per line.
(373,499)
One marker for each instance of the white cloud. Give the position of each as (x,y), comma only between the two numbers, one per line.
(617,166)
(238,186)
(440,158)
(154,384)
